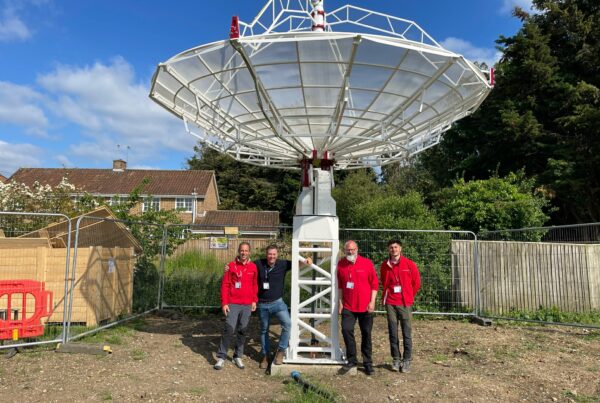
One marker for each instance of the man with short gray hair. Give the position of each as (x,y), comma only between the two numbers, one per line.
(358,285)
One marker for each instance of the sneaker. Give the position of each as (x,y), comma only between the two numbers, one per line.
(348,367)
(264,364)
(396,365)
(405,366)
(238,362)
(219,364)
(279,357)
(369,370)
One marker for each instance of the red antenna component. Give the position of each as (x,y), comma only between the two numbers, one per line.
(318,16)
(29,325)
(306,166)
(234,32)
(492,77)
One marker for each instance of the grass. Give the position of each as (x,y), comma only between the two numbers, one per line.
(194,261)
(198,391)
(438,357)
(138,354)
(105,396)
(297,394)
(581,398)
(115,335)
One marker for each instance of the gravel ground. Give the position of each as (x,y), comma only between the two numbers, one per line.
(169,358)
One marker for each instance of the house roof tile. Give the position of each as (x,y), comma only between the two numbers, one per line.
(246,220)
(109,182)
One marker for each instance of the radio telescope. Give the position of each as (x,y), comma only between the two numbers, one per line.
(301,88)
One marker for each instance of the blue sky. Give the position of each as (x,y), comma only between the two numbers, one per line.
(74,74)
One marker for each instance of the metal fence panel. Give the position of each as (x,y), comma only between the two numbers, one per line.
(448,275)
(545,274)
(34,268)
(193,272)
(116,273)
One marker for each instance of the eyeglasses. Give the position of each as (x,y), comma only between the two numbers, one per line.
(351,249)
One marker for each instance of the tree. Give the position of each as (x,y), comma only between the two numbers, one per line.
(352,193)
(492,204)
(248,187)
(543,114)
(18,197)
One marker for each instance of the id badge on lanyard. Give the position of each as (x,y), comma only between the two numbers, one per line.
(397,289)
(266,284)
(350,282)
(238,284)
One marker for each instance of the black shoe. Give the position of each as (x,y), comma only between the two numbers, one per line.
(347,367)
(369,370)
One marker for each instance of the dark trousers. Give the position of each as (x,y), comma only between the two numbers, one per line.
(402,315)
(365,322)
(236,323)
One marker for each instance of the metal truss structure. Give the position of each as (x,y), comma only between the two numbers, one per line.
(367,97)
(297,87)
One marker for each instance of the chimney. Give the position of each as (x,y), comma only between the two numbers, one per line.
(119,165)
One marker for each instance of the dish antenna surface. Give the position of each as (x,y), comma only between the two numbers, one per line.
(348,89)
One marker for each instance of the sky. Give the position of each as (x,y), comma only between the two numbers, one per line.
(75,74)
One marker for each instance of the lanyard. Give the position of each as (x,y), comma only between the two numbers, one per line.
(241,273)
(267,271)
(396,277)
(351,270)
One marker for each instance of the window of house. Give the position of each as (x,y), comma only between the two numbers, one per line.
(116,200)
(151,204)
(184,204)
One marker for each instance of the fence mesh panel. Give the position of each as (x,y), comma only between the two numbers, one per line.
(116,272)
(34,260)
(550,274)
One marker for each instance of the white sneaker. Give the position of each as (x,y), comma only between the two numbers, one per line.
(219,364)
(238,363)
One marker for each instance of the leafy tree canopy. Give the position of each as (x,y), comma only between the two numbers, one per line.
(247,187)
(543,115)
(492,204)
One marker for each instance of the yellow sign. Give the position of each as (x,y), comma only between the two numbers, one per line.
(231,230)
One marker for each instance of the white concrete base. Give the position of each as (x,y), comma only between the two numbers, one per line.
(321,369)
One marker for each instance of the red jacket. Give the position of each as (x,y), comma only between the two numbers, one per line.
(404,274)
(363,276)
(244,274)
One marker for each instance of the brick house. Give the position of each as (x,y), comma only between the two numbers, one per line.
(193,192)
(247,224)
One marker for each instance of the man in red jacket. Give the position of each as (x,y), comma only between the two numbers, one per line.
(358,285)
(239,294)
(401,282)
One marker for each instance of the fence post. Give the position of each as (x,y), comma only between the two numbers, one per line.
(66,294)
(477,277)
(161,275)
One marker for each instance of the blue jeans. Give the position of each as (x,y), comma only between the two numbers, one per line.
(279,309)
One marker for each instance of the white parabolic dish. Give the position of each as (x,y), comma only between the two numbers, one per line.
(370,97)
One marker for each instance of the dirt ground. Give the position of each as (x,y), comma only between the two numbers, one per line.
(170,359)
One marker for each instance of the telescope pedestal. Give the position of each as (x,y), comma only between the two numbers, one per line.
(314,337)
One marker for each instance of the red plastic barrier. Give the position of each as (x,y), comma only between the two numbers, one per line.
(11,328)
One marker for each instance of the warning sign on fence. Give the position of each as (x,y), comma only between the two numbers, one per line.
(217,242)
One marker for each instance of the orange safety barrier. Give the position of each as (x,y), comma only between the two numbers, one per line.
(24,325)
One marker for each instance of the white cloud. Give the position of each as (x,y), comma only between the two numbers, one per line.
(14,156)
(488,55)
(22,106)
(509,5)
(111,108)
(12,27)
(64,161)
